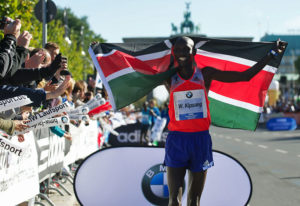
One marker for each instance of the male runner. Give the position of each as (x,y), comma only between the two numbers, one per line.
(188,144)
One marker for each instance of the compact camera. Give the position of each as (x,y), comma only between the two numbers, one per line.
(5,20)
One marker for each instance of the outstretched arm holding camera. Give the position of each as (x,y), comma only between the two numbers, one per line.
(23,76)
(22,51)
(8,47)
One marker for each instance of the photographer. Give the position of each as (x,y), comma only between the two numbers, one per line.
(8,46)
(12,58)
(25,76)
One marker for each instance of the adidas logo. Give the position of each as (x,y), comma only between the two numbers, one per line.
(206,163)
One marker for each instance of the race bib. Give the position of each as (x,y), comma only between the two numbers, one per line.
(145,119)
(190,104)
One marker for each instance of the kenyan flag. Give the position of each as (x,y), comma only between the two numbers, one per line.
(130,71)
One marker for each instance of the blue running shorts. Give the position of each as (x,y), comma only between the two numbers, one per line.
(192,150)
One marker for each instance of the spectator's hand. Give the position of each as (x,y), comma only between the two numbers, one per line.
(60,90)
(72,121)
(50,87)
(59,115)
(21,138)
(36,60)
(67,135)
(13,28)
(93,43)
(20,125)
(92,82)
(24,39)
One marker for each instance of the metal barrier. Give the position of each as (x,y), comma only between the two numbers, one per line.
(46,155)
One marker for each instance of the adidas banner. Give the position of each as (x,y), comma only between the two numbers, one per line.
(130,134)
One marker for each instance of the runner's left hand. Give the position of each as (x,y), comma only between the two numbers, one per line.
(280,46)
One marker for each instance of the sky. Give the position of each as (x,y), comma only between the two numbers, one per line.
(116,19)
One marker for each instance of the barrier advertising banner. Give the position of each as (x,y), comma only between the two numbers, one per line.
(281,124)
(18,174)
(24,164)
(136,176)
(14,102)
(50,152)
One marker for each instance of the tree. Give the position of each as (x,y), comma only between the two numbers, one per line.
(15,9)
(80,65)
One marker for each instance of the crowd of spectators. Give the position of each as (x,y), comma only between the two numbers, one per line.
(283,105)
(146,115)
(27,71)
(39,73)
(43,76)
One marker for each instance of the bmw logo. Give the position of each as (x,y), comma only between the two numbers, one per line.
(84,110)
(189,94)
(84,118)
(65,119)
(154,185)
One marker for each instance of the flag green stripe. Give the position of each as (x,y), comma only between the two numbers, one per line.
(133,86)
(227,115)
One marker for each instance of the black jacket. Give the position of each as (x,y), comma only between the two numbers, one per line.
(7,54)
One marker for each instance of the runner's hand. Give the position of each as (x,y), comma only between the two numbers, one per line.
(280,46)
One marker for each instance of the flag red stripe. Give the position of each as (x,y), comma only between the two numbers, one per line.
(252,92)
(204,61)
(119,60)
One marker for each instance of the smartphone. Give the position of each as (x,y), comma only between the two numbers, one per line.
(65,72)
(65,58)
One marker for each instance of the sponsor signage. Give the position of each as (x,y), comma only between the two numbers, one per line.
(14,102)
(79,110)
(79,117)
(18,174)
(37,118)
(281,123)
(47,123)
(137,176)
(90,105)
(7,145)
(130,134)
(154,185)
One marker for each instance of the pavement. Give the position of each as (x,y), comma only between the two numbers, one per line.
(272,160)
(65,200)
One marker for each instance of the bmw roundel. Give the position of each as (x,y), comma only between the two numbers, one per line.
(154,185)
(189,94)
(64,119)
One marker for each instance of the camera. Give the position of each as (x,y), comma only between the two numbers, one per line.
(64,72)
(64,58)
(5,20)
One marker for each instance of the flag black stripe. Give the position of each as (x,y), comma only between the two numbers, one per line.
(248,50)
